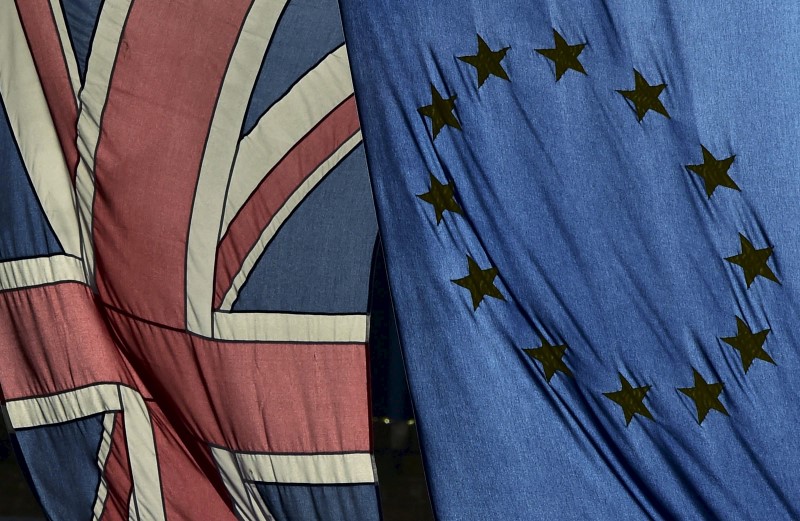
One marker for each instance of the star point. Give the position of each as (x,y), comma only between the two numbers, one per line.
(705,396)
(631,399)
(441,197)
(645,96)
(440,112)
(749,345)
(487,62)
(564,55)
(753,261)
(479,282)
(551,357)
(714,172)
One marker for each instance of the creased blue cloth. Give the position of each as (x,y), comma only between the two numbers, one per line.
(599,260)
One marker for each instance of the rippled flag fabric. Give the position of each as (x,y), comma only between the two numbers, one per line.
(589,212)
(186,236)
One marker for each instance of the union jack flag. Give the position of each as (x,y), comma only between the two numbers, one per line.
(186,235)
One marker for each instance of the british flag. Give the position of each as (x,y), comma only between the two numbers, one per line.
(186,235)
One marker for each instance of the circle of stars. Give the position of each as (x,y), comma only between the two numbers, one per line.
(714,173)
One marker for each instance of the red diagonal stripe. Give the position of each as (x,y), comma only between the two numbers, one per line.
(278,185)
(117,474)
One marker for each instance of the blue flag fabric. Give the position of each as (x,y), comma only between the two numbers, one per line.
(590,218)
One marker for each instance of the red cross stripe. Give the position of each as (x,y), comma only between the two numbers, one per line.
(148,173)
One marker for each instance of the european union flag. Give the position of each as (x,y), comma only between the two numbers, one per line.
(590,211)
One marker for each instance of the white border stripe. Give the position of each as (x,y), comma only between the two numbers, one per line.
(67,406)
(34,130)
(146,498)
(144,462)
(284,213)
(240,471)
(92,101)
(102,457)
(223,140)
(286,327)
(312,469)
(240,494)
(66,45)
(321,90)
(133,514)
(257,502)
(40,270)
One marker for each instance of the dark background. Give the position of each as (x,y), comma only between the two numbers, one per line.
(404,496)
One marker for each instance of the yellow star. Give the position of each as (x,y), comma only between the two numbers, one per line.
(705,396)
(714,172)
(440,111)
(564,55)
(750,345)
(479,282)
(645,96)
(551,357)
(631,399)
(487,61)
(441,197)
(753,261)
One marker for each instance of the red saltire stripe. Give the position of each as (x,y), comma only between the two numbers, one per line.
(45,45)
(169,70)
(117,474)
(276,187)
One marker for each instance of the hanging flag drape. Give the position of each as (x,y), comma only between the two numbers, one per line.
(589,215)
(186,235)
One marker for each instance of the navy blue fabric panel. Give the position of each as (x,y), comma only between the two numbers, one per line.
(321,503)
(596,248)
(24,230)
(61,461)
(81,17)
(319,262)
(307,32)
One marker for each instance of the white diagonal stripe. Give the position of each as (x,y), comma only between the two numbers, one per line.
(223,140)
(237,488)
(99,68)
(102,457)
(146,494)
(282,214)
(321,90)
(34,130)
(66,45)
